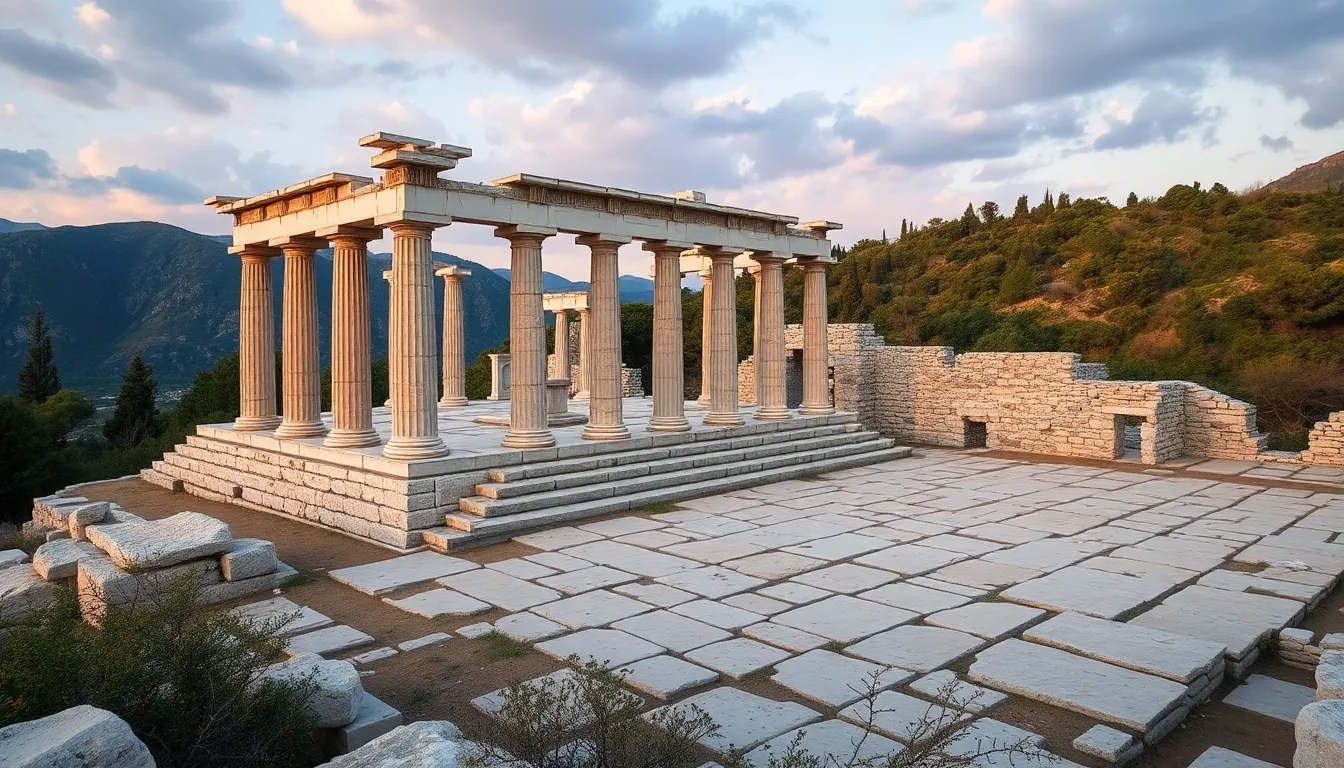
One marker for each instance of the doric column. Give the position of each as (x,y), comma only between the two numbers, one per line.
(771,398)
(561,345)
(706,297)
(351,343)
(387,275)
(755,273)
(669,366)
(300,367)
(454,337)
(605,420)
(527,339)
(256,342)
(585,357)
(723,342)
(413,363)
(816,353)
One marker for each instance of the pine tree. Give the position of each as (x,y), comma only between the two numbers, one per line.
(38,379)
(1132,200)
(135,417)
(989,211)
(905,229)
(1022,209)
(1048,204)
(1063,200)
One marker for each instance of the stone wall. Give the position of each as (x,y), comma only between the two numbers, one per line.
(1326,442)
(632,382)
(1045,402)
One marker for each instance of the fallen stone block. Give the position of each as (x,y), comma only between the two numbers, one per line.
(79,737)
(161,543)
(22,591)
(82,516)
(375,719)
(10,557)
(1330,676)
(224,591)
(1320,735)
(1333,642)
(59,560)
(1108,744)
(426,744)
(48,509)
(100,582)
(248,558)
(338,695)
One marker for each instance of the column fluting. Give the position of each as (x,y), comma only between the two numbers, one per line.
(669,365)
(723,344)
(706,313)
(413,364)
(585,357)
(391,343)
(816,353)
(527,339)
(756,335)
(771,397)
(256,343)
(562,363)
(454,338)
(301,371)
(351,344)
(605,416)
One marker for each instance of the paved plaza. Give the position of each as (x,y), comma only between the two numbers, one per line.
(1125,597)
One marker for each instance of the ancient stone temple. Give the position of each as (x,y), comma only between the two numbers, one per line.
(422,461)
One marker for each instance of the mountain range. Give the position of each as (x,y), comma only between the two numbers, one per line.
(633,289)
(1313,177)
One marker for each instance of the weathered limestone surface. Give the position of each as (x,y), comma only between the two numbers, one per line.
(426,744)
(160,543)
(1330,676)
(1108,744)
(22,591)
(1320,735)
(248,558)
(79,737)
(10,557)
(1326,442)
(57,560)
(337,694)
(1153,651)
(746,720)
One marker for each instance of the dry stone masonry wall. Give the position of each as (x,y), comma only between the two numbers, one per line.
(1326,442)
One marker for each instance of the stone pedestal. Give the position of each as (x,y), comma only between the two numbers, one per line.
(414,363)
(605,420)
(557,405)
(669,366)
(500,373)
(454,337)
(351,361)
(256,343)
(527,339)
(300,368)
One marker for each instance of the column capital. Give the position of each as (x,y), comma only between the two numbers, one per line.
(452,272)
(431,220)
(764,257)
(249,252)
(595,240)
(298,243)
(667,247)
(387,275)
(349,232)
(525,232)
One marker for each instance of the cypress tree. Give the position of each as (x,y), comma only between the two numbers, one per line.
(38,379)
(1022,209)
(1132,200)
(1063,200)
(905,229)
(135,417)
(1048,204)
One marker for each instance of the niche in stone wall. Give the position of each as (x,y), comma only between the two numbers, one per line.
(1129,436)
(975,434)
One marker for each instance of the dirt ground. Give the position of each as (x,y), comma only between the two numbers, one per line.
(440,681)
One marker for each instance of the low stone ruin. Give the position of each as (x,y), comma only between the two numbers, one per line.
(426,744)
(1297,647)
(1320,725)
(80,736)
(111,556)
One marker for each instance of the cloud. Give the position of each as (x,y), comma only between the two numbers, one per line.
(57,68)
(1276,143)
(25,169)
(1162,116)
(919,8)
(542,41)
(159,185)
(200,166)
(1004,170)
(394,116)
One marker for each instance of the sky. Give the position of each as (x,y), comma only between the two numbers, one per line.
(863,112)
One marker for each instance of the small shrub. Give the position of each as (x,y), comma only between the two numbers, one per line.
(500,646)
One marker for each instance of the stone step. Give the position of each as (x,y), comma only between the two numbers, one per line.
(482,506)
(726,454)
(467,530)
(692,444)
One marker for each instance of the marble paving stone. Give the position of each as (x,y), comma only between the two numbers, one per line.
(910,597)
(844,618)
(557,538)
(377,654)
(766,606)
(424,641)
(916,648)
(716,525)
(833,742)
(440,602)
(717,550)
(1108,744)
(947,586)
(386,575)
(666,677)
(945,688)
(898,715)
(328,641)
(630,558)
(1238,637)
(609,647)
(474,631)
(1059,522)
(521,568)
(500,589)
(910,559)
(672,631)
(1147,570)
(992,621)
(795,640)
(1097,593)
(586,579)
(1051,676)
(591,609)
(651,539)
(621,526)
(793,592)
(1220,606)
(955,543)
(711,581)
(1003,533)
(528,627)
(1279,699)
(717,614)
(1163,551)
(984,574)
(297,618)
(841,547)
(745,720)
(1218,757)
(774,565)
(987,731)
(738,657)
(1047,554)
(835,680)
(1174,656)
(1236,581)
(560,684)
(660,595)
(846,578)
(558,561)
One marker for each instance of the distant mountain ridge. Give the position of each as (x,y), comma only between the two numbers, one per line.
(7,226)
(633,289)
(1313,177)
(114,290)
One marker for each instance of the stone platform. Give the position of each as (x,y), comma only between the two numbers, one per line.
(362,493)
